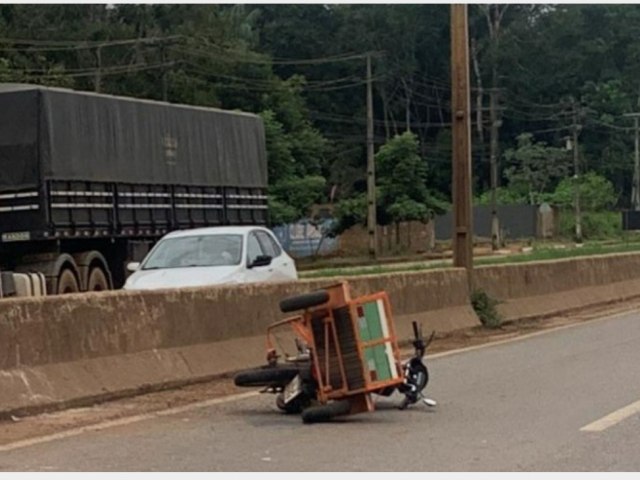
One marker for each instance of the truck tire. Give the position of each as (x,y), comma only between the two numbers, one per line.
(97,280)
(325,413)
(67,282)
(266,376)
(302,302)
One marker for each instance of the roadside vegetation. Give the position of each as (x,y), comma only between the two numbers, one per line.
(302,68)
(486,307)
(539,252)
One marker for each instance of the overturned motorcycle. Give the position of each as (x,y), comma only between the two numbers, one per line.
(347,350)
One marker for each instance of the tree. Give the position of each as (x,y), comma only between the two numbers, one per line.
(401,176)
(291,199)
(596,193)
(302,66)
(348,213)
(534,167)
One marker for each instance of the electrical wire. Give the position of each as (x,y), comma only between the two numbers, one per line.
(53,46)
(116,70)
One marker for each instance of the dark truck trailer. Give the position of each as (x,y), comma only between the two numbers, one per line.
(89,181)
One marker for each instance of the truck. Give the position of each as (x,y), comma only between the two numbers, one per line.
(89,182)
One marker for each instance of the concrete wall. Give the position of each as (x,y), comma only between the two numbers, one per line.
(70,350)
(62,349)
(542,288)
(406,237)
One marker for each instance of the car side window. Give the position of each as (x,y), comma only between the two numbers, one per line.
(254,250)
(269,245)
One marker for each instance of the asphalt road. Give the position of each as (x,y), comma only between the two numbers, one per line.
(533,404)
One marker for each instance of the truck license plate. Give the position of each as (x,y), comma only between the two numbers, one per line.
(293,389)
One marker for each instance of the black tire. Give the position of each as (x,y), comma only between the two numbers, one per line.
(98,281)
(302,302)
(325,413)
(265,376)
(67,283)
(419,375)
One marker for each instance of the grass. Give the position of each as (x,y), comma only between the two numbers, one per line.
(538,254)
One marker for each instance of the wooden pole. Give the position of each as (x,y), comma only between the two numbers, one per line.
(576,176)
(371,174)
(461,181)
(635,189)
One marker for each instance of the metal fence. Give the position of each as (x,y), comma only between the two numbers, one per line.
(516,221)
(630,220)
(304,239)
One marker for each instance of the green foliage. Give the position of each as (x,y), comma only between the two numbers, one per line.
(281,213)
(289,114)
(231,56)
(596,193)
(406,209)
(485,307)
(291,199)
(349,212)
(595,225)
(401,176)
(534,166)
(504,196)
(281,163)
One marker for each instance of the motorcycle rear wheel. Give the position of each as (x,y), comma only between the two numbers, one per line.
(325,413)
(266,376)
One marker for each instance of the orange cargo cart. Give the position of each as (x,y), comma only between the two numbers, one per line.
(347,350)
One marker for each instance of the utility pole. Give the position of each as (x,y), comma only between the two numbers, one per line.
(461,181)
(635,191)
(576,174)
(371,172)
(98,76)
(493,158)
(165,84)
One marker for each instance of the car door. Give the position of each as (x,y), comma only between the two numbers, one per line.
(283,265)
(254,250)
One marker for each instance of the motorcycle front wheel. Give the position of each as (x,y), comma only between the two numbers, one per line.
(418,375)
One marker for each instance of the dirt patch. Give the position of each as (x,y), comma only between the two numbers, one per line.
(24,428)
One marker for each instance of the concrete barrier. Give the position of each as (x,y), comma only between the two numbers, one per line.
(538,289)
(67,350)
(71,350)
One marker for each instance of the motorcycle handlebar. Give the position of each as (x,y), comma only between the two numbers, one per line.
(416,331)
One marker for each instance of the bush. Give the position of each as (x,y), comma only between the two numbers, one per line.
(595,225)
(485,307)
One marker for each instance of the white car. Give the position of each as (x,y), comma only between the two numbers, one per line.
(212,256)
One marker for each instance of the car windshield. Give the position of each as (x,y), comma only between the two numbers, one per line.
(196,251)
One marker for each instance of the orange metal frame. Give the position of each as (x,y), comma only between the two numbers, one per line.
(339,297)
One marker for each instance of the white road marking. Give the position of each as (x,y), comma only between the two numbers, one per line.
(613,418)
(208,403)
(124,421)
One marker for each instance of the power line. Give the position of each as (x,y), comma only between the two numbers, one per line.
(115,70)
(241,57)
(53,46)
